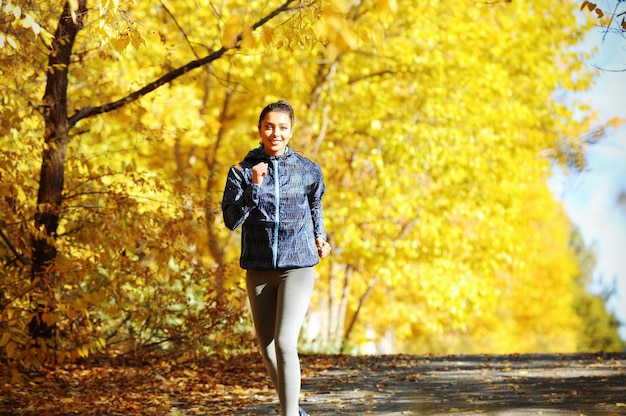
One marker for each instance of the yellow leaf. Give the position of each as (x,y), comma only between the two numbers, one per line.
(120,43)
(17,11)
(83,351)
(247,37)
(136,39)
(11,349)
(11,41)
(387,6)
(73,9)
(48,318)
(268,36)
(5,338)
(231,31)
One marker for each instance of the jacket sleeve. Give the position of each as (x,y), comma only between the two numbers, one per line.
(240,197)
(315,203)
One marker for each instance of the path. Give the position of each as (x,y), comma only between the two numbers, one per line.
(580,384)
(495,385)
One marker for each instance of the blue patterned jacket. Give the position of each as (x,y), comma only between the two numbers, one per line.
(281,218)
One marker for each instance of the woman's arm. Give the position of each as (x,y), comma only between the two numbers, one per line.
(239,198)
(317,209)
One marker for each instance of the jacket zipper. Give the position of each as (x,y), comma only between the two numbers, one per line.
(277,213)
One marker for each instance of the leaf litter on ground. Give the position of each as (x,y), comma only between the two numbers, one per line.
(587,384)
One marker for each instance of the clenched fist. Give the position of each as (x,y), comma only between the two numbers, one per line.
(323,248)
(258,172)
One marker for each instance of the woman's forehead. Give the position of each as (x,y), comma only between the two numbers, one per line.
(277,117)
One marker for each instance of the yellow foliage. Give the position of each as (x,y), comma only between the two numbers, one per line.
(231,31)
(21,18)
(431,122)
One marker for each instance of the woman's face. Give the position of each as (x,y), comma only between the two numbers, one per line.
(275,131)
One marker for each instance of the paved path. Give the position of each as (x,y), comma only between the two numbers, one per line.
(570,384)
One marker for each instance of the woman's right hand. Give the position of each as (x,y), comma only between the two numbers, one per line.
(258,172)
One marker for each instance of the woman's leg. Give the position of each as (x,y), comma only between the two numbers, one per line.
(279,301)
(262,288)
(294,296)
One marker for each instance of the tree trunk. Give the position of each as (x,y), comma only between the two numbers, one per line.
(213,203)
(342,309)
(50,195)
(355,316)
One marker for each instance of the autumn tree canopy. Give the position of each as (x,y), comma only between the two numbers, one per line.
(435,125)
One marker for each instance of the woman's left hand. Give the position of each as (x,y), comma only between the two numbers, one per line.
(323,248)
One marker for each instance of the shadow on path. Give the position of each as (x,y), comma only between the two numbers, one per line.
(556,384)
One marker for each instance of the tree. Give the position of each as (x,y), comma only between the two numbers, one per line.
(51,282)
(599,328)
(434,125)
(433,178)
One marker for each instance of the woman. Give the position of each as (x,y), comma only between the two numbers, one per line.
(276,196)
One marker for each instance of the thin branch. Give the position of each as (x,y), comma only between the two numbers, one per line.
(362,300)
(377,74)
(21,295)
(611,21)
(608,70)
(12,248)
(180,29)
(172,75)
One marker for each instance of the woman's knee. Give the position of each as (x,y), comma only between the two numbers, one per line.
(286,347)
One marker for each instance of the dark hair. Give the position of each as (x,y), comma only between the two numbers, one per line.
(280,106)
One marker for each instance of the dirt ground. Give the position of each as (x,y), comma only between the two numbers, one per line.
(570,384)
(457,385)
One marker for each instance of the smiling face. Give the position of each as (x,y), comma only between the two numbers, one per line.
(275,130)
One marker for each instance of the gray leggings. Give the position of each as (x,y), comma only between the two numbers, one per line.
(279,300)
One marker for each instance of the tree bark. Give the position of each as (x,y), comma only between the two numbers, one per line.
(50,194)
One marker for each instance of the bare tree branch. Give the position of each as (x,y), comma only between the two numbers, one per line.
(172,75)
(12,248)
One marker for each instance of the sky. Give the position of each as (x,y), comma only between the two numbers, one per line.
(592,197)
